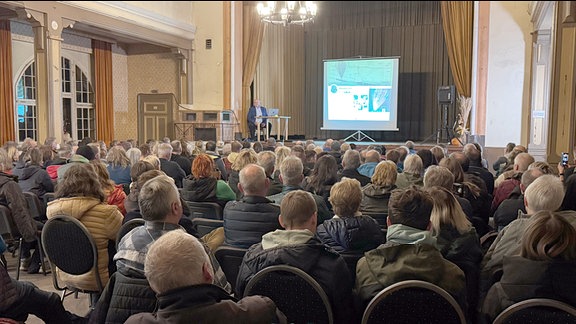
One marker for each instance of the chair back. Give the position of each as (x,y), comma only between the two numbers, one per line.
(70,247)
(36,207)
(206,225)
(209,210)
(230,259)
(48,197)
(351,261)
(294,292)
(413,301)
(538,310)
(8,228)
(127,227)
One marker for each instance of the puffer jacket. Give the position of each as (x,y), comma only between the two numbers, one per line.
(8,291)
(351,234)
(127,293)
(102,221)
(245,221)
(11,196)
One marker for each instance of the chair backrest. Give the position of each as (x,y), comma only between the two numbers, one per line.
(230,259)
(127,227)
(206,225)
(36,206)
(8,228)
(294,292)
(538,310)
(70,247)
(413,301)
(48,197)
(351,261)
(209,210)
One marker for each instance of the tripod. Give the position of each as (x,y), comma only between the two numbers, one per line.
(445,129)
(359,136)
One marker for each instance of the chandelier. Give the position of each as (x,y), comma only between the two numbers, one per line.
(287,12)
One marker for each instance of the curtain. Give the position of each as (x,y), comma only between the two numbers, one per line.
(103,90)
(7,131)
(252,35)
(458,23)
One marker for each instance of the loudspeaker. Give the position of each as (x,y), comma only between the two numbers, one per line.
(446,94)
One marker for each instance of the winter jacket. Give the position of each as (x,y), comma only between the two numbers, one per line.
(525,279)
(245,221)
(406,179)
(102,221)
(375,202)
(367,169)
(351,234)
(119,174)
(34,179)
(116,198)
(126,293)
(300,249)
(323,212)
(208,304)
(354,174)
(11,196)
(76,158)
(206,189)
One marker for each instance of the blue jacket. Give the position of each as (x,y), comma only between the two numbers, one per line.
(252,114)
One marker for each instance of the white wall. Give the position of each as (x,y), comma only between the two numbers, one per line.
(508,71)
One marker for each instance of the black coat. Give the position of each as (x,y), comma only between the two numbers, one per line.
(351,234)
(245,221)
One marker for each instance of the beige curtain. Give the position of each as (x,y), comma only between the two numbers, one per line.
(7,131)
(458,24)
(103,90)
(252,35)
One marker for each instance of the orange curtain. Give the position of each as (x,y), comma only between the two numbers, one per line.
(103,90)
(7,131)
(458,24)
(252,35)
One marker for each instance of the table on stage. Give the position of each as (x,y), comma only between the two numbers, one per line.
(278,120)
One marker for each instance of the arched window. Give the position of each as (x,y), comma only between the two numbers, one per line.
(77,103)
(27,125)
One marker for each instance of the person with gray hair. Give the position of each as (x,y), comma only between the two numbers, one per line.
(178,270)
(246,220)
(509,180)
(545,193)
(171,168)
(510,208)
(291,176)
(412,173)
(177,157)
(440,176)
(350,164)
(267,160)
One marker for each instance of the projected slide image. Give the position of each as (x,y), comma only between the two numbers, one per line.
(359,103)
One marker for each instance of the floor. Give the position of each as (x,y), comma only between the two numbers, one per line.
(79,305)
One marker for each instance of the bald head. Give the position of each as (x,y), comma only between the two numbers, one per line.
(523,161)
(472,153)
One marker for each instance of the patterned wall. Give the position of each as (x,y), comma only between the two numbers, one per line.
(144,73)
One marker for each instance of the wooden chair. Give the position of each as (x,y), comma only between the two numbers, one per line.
(413,301)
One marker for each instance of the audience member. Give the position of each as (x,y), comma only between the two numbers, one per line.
(409,253)
(212,153)
(171,168)
(503,160)
(324,175)
(31,176)
(297,246)
(203,184)
(177,157)
(569,202)
(507,181)
(440,176)
(439,152)
(246,156)
(427,158)
(375,195)
(544,268)
(178,270)
(475,167)
(371,160)
(114,194)
(246,220)
(350,164)
(411,172)
(267,160)
(84,154)
(300,152)
(118,165)
(349,231)
(282,152)
(291,177)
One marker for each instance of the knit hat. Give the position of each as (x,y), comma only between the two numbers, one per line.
(86,151)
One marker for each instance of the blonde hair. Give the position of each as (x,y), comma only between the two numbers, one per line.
(385,174)
(345,197)
(245,157)
(413,164)
(152,159)
(281,153)
(548,236)
(176,259)
(296,208)
(447,211)
(117,157)
(5,160)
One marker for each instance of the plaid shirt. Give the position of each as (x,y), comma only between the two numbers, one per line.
(135,244)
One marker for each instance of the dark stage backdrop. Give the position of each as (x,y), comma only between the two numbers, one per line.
(345,29)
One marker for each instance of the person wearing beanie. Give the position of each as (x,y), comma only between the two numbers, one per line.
(84,154)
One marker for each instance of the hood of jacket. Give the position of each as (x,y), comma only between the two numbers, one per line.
(74,206)
(4,178)
(377,192)
(203,189)
(287,250)
(25,171)
(402,234)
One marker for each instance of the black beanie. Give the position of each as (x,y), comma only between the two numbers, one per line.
(86,151)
